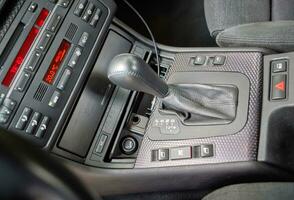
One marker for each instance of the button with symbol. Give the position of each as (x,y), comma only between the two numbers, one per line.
(33,123)
(279,66)
(219,60)
(80,7)
(83,40)
(23,120)
(75,57)
(89,12)
(199,60)
(279,87)
(54,99)
(206,150)
(43,127)
(163,154)
(180,153)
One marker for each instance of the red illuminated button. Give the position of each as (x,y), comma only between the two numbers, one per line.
(279,87)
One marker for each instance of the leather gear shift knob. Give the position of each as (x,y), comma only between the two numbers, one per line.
(131,72)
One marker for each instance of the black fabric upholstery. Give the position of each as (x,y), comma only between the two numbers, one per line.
(278,36)
(223,14)
(238,23)
(282,10)
(254,191)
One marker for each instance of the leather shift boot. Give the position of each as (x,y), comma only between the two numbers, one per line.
(198,104)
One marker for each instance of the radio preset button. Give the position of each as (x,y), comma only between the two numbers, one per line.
(96,18)
(83,40)
(33,123)
(75,57)
(64,79)
(2,97)
(23,120)
(22,81)
(54,23)
(54,99)
(33,61)
(4,114)
(44,41)
(9,103)
(33,7)
(43,127)
(80,7)
(89,12)
(64,3)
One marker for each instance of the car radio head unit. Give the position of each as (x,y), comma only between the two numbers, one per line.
(49,50)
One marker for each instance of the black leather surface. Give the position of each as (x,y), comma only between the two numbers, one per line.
(199,104)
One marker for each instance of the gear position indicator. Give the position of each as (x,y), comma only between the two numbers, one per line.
(168,126)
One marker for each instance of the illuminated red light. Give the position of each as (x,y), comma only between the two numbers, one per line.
(56,62)
(24,49)
(20,57)
(42,17)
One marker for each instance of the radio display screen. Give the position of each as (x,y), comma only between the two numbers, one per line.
(56,62)
(18,61)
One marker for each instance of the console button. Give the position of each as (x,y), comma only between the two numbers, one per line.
(75,57)
(80,7)
(180,153)
(64,79)
(206,150)
(196,152)
(279,86)
(54,23)
(279,66)
(163,154)
(9,103)
(96,18)
(33,123)
(89,12)
(23,120)
(54,99)
(219,60)
(4,114)
(22,81)
(101,143)
(64,3)
(44,41)
(2,97)
(199,60)
(33,61)
(83,40)
(33,7)
(43,127)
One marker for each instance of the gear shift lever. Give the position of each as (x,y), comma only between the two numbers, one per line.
(132,72)
(195,104)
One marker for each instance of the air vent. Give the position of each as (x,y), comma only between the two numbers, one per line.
(41,91)
(71,31)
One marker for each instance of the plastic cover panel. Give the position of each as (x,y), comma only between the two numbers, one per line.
(241,146)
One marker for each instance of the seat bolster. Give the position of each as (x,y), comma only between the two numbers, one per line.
(278,36)
(223,14)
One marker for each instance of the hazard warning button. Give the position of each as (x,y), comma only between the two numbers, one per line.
(279,87)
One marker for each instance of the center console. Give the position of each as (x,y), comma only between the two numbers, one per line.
(55,92)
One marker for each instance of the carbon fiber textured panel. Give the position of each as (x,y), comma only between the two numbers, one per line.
(241,146)
(7,19)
